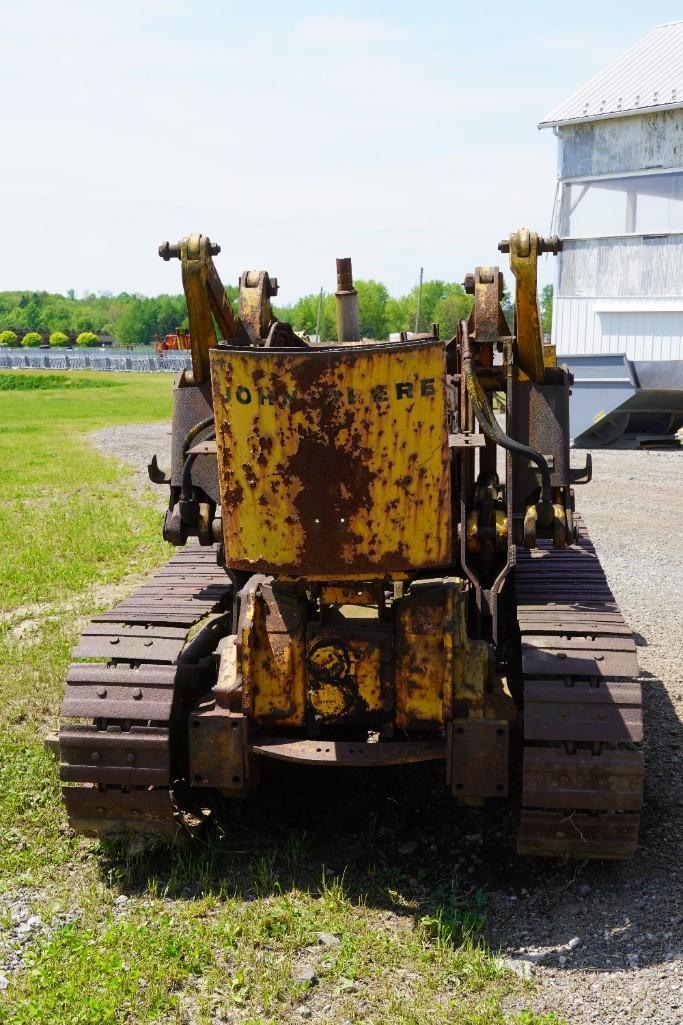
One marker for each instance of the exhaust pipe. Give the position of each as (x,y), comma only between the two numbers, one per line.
(348,323)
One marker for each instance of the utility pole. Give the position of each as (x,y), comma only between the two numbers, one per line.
(320,310)
(419,303)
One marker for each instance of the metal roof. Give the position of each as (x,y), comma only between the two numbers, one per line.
(647,77)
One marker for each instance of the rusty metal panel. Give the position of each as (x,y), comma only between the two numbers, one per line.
(271,655)
(145,614)
(217,743)
(556,712)
(348,671)
(134,630)
(351,594)
(579,834)
(333,462)
(612,780)
(95,691)
(580,644)
(551,625)
(424,652)
(96,812)
(577,662)
(607,692)
(191,405)
(478,757)
(125,648)
(139,755)
(350,753)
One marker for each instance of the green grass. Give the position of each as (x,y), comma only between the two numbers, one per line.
(211,932)
(45,382)
(71,525)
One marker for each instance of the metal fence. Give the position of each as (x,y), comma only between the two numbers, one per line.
(95,359)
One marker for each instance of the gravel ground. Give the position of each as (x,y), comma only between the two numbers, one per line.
(599,942)
(135,444)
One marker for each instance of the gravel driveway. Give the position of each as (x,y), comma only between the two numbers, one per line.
(600,942)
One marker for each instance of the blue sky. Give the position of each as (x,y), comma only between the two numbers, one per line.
(401,134)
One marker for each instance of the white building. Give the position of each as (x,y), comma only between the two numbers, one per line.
(619,212)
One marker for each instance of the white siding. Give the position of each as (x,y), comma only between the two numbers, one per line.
(642,329)
(636,266)
(622,144)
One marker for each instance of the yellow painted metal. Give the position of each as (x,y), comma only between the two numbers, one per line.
(271,656)
(523,264)
(349,594)
(424,653)
(472,531)
(194,258)
(255,310)
(440,672)
(349,669)
(333,462)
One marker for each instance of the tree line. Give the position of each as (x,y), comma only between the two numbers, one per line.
(136,320)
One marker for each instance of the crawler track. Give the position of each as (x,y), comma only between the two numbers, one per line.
(120,754)
(583,768)
(122,737)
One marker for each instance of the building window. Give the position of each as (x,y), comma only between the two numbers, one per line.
(634,205)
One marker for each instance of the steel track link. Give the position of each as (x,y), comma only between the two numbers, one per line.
(119,713)
(583,727)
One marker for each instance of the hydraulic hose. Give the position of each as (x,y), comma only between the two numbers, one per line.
(189,507)
(490,426)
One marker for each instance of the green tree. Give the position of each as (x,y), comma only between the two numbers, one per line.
(547,308)
(86,338)
(59,338)
(455,306)
(304,316)
(372,303)
(8,338)
(33,339)
(138,323)
(399,311)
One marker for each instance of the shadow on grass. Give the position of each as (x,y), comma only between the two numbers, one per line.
(394,838)
(400,843)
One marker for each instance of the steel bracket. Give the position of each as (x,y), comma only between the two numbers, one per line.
(217,743)
(477,763)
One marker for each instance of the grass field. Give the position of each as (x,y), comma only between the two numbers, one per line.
(296,907)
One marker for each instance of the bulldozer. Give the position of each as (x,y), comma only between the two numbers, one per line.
(374,568)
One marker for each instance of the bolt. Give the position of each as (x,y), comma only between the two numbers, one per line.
(137,694)
(549,245)
(96,756)
(504,246)
(130,757)
(169,250)
(101,692)
(114,640)
(468,284)
(148,644)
